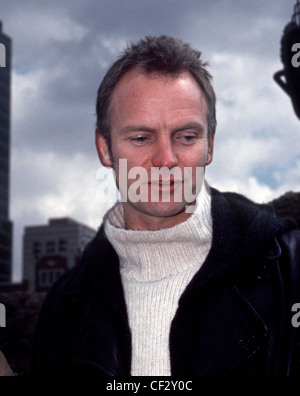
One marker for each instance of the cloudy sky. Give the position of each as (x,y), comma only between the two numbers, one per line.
(61,50)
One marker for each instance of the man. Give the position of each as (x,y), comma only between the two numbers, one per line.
(180,279)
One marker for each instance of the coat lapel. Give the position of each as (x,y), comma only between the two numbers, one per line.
(223,332)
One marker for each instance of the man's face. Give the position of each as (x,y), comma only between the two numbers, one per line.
(157,121)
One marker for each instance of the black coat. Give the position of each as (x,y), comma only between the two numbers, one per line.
(234,318)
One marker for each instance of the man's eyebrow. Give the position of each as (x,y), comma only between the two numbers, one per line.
(191,125)
(144,128)
(136,128)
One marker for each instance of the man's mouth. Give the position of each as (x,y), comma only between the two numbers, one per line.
(163,182)
(167,186)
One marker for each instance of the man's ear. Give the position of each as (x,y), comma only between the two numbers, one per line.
(102,149)
(210,149)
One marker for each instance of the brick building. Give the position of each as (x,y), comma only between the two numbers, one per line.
(50,250)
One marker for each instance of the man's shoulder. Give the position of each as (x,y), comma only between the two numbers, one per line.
(249,211)
(239,201)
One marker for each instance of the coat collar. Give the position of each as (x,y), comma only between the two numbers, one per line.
(241,228)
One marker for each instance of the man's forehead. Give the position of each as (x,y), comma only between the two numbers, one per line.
(156,89)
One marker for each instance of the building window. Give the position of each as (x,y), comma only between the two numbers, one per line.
(43,279)
(50,247)
(37,249)
(62,245)
(48,277)
(58,274)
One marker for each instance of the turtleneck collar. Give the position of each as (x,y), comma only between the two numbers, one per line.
(154,255)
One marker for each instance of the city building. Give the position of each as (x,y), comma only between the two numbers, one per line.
(5,223)
(50,250)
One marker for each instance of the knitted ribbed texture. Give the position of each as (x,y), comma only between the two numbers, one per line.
(156,267)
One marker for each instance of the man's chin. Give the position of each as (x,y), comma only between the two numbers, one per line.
(160,209)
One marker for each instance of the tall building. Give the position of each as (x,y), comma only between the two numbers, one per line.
(50,250)
(5,223)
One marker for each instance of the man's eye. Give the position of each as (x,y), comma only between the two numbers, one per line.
(139,139)
(188,138)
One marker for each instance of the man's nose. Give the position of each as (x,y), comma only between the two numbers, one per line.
(165,155)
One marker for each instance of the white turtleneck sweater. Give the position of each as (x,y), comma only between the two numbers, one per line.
(156,267)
